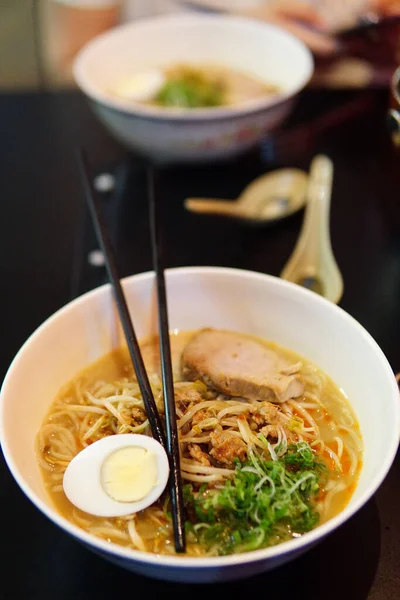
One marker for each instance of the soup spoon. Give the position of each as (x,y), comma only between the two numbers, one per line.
(312,263)
(268,198)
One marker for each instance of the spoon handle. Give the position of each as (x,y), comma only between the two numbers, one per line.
(306,256)
(212,206)
(315,237)
(313,259)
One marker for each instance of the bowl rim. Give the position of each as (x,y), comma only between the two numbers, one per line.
(183,562)
(195,114)
(395,85)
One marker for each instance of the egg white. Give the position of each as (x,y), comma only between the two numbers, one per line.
(142,86)
(82,478)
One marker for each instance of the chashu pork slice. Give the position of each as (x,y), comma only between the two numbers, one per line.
(238,365)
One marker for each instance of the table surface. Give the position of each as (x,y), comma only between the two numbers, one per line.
(43,264)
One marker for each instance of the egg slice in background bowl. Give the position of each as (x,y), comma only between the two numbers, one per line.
(199,297)
(141,86)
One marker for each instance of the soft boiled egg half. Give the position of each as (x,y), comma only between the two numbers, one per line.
(117,475)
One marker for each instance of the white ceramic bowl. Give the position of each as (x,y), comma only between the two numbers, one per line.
(204,296)
(256,48)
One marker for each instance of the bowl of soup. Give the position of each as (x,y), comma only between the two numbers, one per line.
(193,87)
(283,436)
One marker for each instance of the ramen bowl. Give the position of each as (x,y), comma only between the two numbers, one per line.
(257,49)
(204,296)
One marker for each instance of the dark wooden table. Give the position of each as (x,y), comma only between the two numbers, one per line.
(43,263)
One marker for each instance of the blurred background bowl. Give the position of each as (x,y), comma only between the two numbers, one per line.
(259,49)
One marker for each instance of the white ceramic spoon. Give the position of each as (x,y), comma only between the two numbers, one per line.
(312,263)
(268,198)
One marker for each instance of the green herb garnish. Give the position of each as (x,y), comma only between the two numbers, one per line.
(191,89)
(265,503)
(301,456)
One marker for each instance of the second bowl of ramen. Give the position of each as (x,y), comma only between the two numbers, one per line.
(193,87)
(283,436)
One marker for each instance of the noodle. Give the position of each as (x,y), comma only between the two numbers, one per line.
(339,487)
(135,537)
(88,408)
(355,438)
(334,457)
(105,400)
(193,467)
(339,442)
(92,430)
(202,478)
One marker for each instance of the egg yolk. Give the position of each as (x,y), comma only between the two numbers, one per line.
(129,474)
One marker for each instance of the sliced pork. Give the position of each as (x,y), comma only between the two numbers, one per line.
(238,365)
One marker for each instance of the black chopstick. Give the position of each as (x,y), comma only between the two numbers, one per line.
(96,211)
(166,368)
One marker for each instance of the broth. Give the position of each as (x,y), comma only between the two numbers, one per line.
(209,85)
(186,86)
(321,418)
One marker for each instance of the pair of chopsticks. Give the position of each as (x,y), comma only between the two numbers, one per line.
(169,442)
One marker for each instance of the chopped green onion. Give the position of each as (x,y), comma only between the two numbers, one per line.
(267,501)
